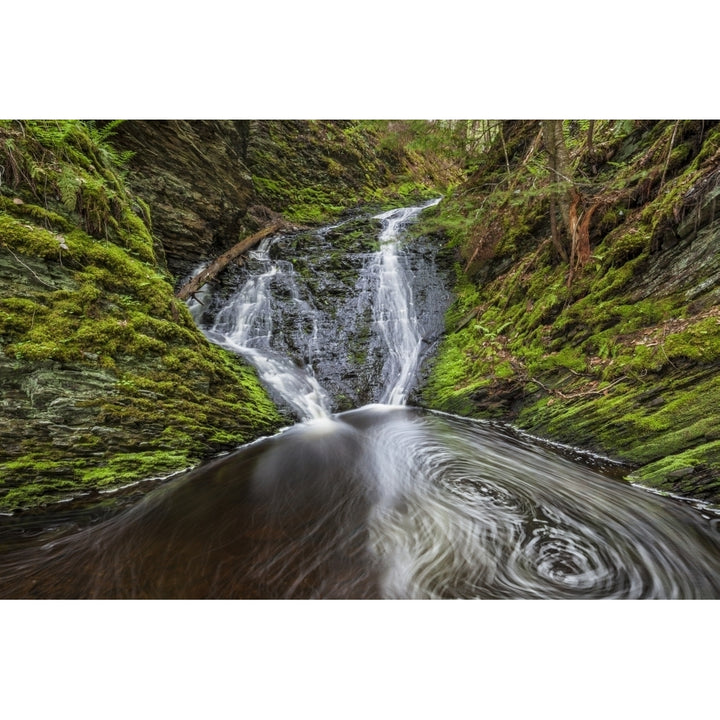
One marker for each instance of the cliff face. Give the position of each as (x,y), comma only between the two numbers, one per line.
(619,353)
(194,178)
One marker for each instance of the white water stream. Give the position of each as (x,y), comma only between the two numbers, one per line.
(394,310)
(245,326)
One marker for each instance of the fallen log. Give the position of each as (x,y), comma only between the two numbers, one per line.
(219,264)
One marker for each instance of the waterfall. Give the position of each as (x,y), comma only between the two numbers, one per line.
(393,311)
(273,322)
(245,326)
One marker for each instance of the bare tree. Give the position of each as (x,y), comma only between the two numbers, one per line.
(561,195)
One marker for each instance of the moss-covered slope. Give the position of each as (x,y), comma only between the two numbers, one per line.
(621,354)
(313,170)
(105,378)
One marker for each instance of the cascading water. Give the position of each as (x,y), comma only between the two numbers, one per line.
(383,500)
(393,310)
(272,322)
(245,326)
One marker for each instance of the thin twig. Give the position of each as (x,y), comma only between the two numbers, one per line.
(37,277)
(667,160)
(582,393)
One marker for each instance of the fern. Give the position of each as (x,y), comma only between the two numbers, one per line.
(68,184)
(106,130)
(51,134)
(575,131)
(36,170)
(623,127)
(111,158)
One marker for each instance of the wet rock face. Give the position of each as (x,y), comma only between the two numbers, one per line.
(323,304)
(193,176)
(431,267)
(691,265)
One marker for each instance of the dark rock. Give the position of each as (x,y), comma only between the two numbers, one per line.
(656,402)
(193,176)
(681,472)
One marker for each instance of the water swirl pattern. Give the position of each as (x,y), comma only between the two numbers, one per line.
(383,502)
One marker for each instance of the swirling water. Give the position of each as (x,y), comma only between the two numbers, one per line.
(383,501)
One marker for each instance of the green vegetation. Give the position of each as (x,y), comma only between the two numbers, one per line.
(313,171)
(606,352)
(110,380)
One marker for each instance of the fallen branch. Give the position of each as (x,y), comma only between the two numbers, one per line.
(218,265)
(580,393)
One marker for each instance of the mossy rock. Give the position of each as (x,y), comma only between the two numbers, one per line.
(619,357)
(106,379)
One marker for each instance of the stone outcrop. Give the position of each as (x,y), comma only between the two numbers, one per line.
(193,176)
(105,378)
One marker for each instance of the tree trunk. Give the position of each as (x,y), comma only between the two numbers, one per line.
(567,199)
(219,264)
(589,143)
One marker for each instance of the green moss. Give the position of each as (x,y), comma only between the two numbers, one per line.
(449,373)
(590,362)
(624,247)
(136,237)
(29,239)
(90,298)
(311,171)
(690,472)
(568,357)
(504,370)
(71,160)
(37,214)
(700,341)
(129,467)
(17,315)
